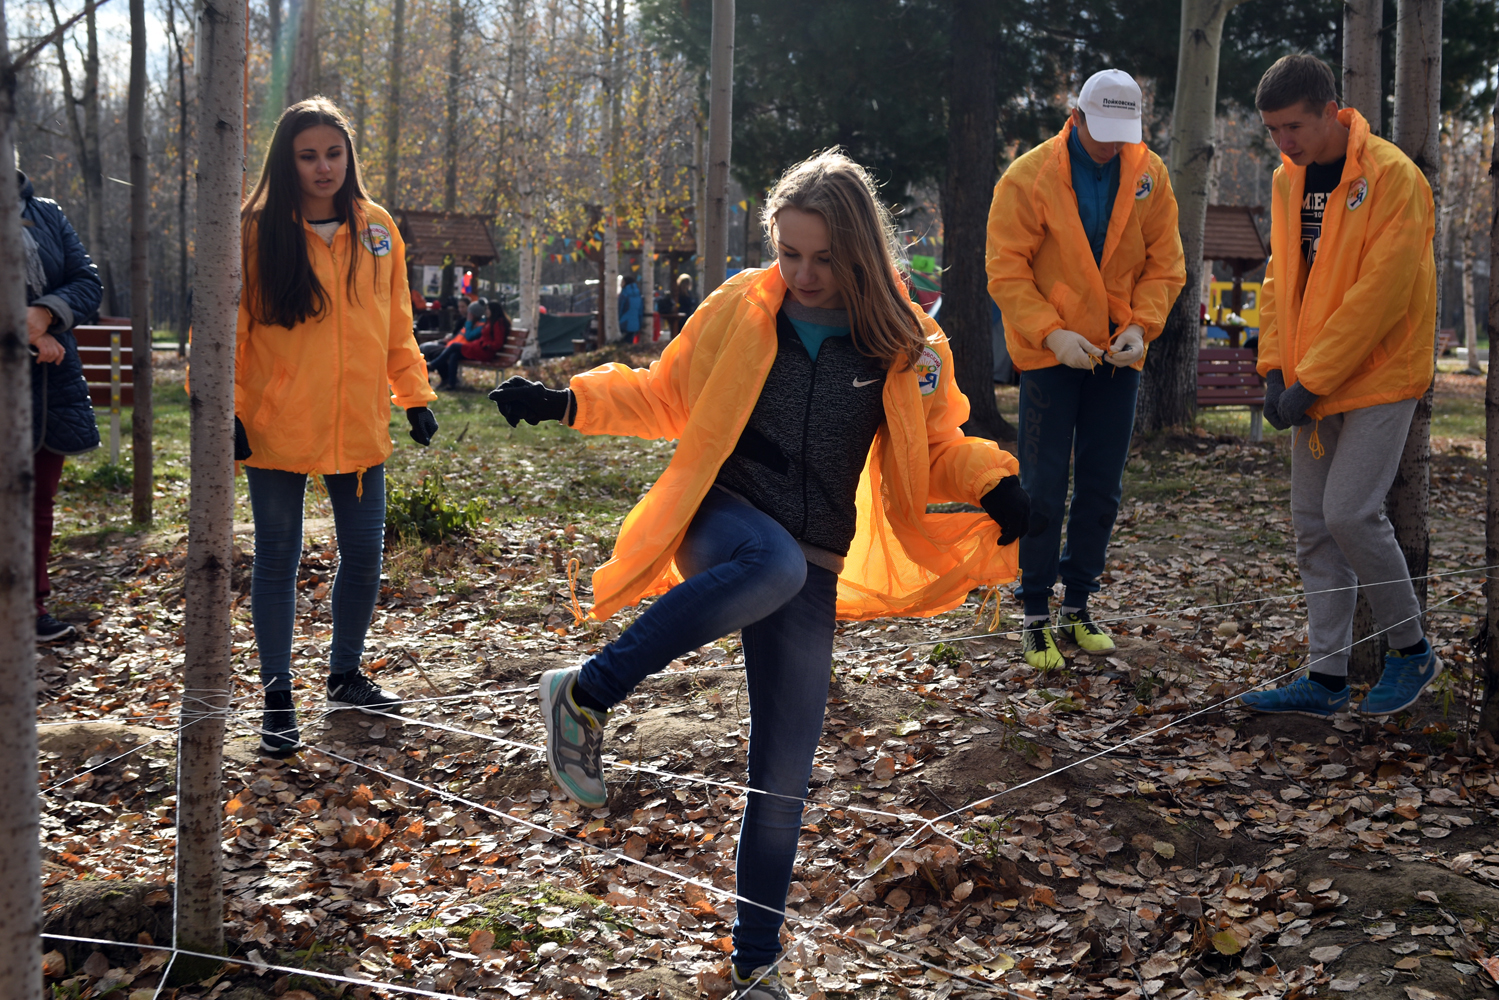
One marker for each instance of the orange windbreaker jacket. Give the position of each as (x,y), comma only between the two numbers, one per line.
(1041,270)
(1358,328)
(903,561)
(316,399)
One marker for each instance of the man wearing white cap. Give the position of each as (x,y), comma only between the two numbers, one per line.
(1084,279)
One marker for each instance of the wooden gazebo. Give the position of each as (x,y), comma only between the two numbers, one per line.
(1232,237)
(442,239)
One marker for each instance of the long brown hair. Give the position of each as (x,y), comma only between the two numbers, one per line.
(285,291)
(864,251)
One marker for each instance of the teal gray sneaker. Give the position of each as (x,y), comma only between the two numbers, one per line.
(1403,680)
(761,984)
(575,739)
(1303,696)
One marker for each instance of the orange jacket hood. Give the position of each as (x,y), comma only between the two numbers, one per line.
(1041,269)
(316,398)
(701,391)
(1358,330)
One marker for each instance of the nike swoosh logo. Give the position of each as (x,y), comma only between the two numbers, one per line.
(860,385)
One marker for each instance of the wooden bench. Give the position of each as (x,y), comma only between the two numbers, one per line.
(1226,376)
(509,356)
(1446,340)
(104,349)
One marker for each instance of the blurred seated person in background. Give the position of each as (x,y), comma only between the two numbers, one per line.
(666,308)
(481,339)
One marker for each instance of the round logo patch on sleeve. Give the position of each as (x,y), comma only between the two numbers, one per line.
(1143,187)
(376,239)
(1358,192)
(928,371)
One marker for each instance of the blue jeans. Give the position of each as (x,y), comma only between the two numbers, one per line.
(446,364)
(1066,411)
(358,525)
(745,572)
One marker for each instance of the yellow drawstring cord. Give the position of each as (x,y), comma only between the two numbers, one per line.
(359,483)
(1313,442)
(978,618)
(572,591)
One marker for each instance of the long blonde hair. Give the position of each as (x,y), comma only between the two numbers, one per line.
(864,251)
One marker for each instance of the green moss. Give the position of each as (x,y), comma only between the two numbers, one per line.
(516,916)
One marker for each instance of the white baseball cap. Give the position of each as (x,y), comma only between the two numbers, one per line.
(1111,101)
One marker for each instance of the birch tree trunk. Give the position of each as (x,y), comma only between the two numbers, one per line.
(648,169)
(393,104)
(1168,387)
(1489,719)
(720,141)
(141,414)
(700,204)
(450,119)
(206,674)
(530,298)
(1470,307)
(1417,131)
(1363,21)
(966,193)
(20,831)
(181,311)
(93,171)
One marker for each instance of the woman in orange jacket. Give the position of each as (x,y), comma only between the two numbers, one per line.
(816,416)
(324,336)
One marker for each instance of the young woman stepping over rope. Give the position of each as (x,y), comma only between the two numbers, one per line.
(816,416)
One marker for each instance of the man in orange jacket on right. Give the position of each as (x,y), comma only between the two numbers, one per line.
(1347,315)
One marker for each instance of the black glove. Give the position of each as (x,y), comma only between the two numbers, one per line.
(423,424)
(1275,387)
(521,399)
(241,442)
(1010,508)
(1294,403)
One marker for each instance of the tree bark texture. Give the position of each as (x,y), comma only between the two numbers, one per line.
(182,186)
(206,672)
(1417,131)
(1168,386)
(1489,719)
(20,857)
(1363,21)
(609,292)
(302,78)
(967,191)
(648,195)
(140,272)
(715,248)
(450,118)
(393,104)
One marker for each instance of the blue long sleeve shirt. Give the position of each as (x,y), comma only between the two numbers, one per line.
(1095,185)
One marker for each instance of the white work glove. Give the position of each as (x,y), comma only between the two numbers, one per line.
(1072,349)
(1127,348)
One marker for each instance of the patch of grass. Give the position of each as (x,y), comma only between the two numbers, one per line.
(430,512)
(945,655)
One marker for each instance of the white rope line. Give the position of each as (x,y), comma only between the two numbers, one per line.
(929,824)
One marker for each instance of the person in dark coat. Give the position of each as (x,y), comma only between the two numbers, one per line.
(630,309)
(62,291)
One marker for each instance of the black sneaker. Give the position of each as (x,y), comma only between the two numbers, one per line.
(354,690)
(279,736)
(49,629)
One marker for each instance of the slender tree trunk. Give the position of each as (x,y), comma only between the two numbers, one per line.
(1489,720)
(699,171)
(450,121)
(302,79)
(140,271)
(530,259)
(1362,23)
(1470,308)
(393,104)
(648,195)
(181,313)
(966,193)
(613,36)
(361,83)
(20,831)
(206,673)
(720,139)
(1417,131)
(1168,387)
(93,178)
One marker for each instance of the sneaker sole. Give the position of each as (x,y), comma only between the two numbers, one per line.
(64,634)
(1385,713)
(1067,634)
(544,689)
(280,753)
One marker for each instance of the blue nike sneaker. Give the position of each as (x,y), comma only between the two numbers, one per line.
(1303,696)
(1403,680)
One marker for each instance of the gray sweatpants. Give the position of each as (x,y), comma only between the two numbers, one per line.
(1343,539)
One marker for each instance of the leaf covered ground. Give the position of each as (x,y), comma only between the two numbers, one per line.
(974,828)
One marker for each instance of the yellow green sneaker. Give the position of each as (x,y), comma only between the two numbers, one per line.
(1079,627)
(1040,646)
